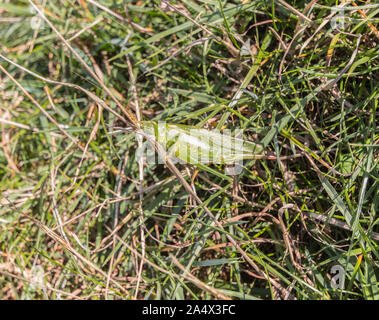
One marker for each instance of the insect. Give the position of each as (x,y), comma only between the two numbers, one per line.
(195,145)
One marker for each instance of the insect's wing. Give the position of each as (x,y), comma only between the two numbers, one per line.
(195,145)
(211,146)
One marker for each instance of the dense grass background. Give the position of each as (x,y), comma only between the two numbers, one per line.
(296,76)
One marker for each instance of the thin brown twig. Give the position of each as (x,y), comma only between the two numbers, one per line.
(295,11)
(349,64)
(116,15)
(140,170)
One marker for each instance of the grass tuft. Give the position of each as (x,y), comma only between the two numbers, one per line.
(82,218)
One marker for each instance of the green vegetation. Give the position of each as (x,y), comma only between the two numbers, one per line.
(82,218)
